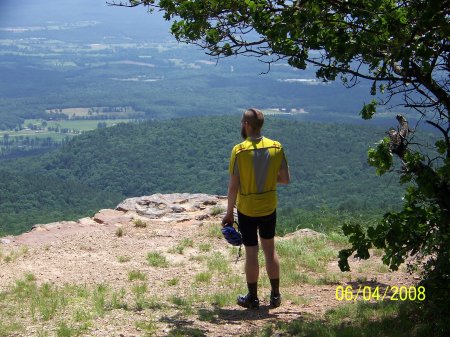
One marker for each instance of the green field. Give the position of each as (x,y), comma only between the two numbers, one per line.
(39,134)
(75,127)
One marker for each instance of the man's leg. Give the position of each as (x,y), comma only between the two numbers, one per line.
(251,264)
(248,230)
(251,273)
(273,270)
(272,262)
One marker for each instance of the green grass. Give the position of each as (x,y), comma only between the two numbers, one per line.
(123,258)
(205,247)
(43,301)
(223,298)
(183,331)
(218,263)
(203,277)
(139,223)
(300,256)
(140,299)
(181,246)
(156,259)
(183,303)
(136,275)
(381,319)
(77,125)
(14,254)
(99,299)
(149,328)
(46,303)
(214,231)
(173,281)
(118,299)
(68,310)
(216,210)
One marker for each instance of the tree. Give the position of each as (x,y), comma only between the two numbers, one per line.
(401,47)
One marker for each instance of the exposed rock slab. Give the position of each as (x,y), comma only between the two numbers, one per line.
(174,207)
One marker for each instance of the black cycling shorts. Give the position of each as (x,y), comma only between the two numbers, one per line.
(249,225)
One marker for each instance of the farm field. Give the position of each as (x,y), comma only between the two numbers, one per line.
(49,130)
(39,134)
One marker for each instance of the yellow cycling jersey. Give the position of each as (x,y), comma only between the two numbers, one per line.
(257,162)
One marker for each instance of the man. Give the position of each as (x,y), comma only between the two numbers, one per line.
(256,166)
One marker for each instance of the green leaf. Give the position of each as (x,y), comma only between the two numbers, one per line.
(381,157)
(441,146)
(369,110)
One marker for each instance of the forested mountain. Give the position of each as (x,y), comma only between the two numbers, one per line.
(95,170)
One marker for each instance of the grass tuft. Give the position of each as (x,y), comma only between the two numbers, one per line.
(203,277)
(139,223)
(123,258)
(218,263)
(119,232)
(216,210)
(136,275)
(156,259)
(181,246)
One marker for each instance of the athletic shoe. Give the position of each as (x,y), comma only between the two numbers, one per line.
(248,302)
(275,301)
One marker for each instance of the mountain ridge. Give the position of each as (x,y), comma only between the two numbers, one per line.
(328,166)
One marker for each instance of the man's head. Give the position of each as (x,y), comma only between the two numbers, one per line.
(252,122)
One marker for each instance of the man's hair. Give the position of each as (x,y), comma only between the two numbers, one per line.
(254,117)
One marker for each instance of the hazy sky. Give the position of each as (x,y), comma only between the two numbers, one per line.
(41,12)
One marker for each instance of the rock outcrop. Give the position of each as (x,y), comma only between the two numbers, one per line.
(174,207)
(170,208)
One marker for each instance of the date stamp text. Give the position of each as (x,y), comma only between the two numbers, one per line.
(390,293)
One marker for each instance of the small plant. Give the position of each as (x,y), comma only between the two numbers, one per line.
(217,262)
(64,330)
(40,333)
(382,268)
(216,210)
(184,304)
(139,223)
(186,331)
(14,255)
(173,281)
(123,258)
(204,277)
(156,259)
(99,299)
(214,231)
(148,327)
(222,299)
(136,275)
(29,277)
(81,315)
(139,292)
(205,247)
(329,279)
(118,299)
(181,246)
(119,232)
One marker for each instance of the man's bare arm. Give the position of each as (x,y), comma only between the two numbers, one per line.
(233,188)
(283,175)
